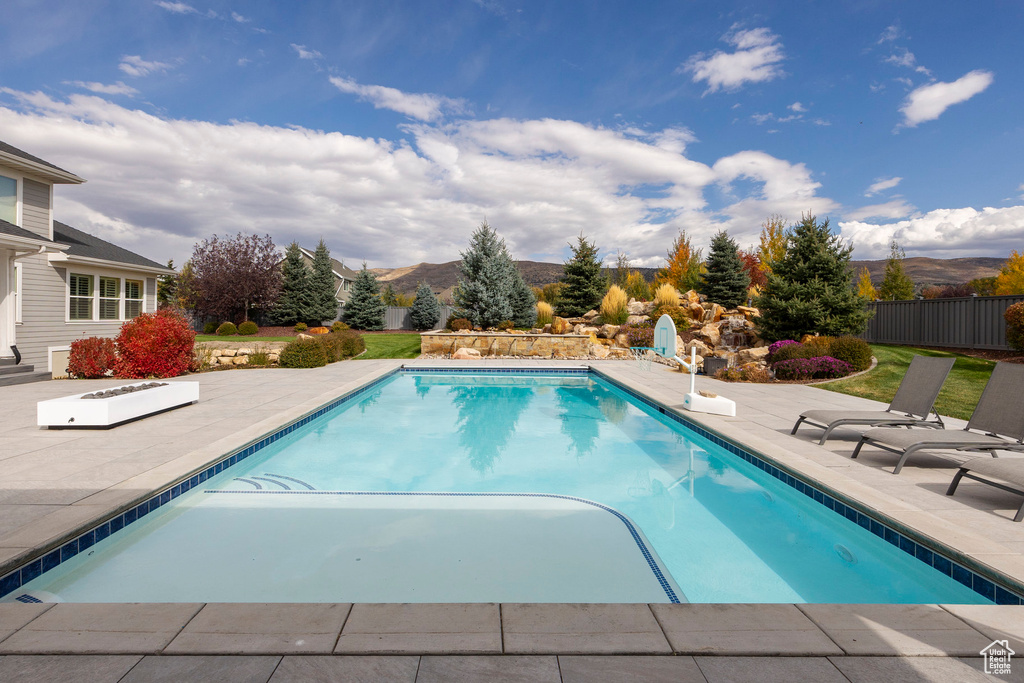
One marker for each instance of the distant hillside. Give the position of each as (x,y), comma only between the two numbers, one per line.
(442,277)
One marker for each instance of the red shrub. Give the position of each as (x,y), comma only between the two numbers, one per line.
(91,357)
(1014,316)
(154,345)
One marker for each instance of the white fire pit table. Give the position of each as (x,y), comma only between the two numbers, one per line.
(116,405)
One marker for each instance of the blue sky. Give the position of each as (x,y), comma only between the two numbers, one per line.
(392,129)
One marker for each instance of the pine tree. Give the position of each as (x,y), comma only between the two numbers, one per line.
(426,310)
(810,289)
(583,283)
(483,294)
(324,303)
(524,303)
(295,301)
(896,285)
(684,266)
(725,281)
(365,310)
(388,296)
(864,286)
(166,288)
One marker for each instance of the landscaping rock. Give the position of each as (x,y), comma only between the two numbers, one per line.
(229,352)
(224,360)
(598,351)
(560,326)
(702,348)
(618,353)
(635,307)
(591,314)
(466,354)
(696,311)
(301,335)
(752,355)
(622,340)
(713,313)
(608,331)
(691,297)
(634,319)
(749,312)
(241,360)
(711,333)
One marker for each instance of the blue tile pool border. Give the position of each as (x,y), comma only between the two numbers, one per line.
(985,584)
(638,537)
(989,587)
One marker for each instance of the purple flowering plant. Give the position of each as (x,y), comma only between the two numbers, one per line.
(822,367)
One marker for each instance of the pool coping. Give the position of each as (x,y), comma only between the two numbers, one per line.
(945,557)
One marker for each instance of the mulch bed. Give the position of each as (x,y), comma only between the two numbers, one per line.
(287,331)
(986,354)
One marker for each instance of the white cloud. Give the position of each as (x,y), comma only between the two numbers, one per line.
(420,106)
(242,61)
(1021,190)
(177,7)
(897,208)
(882,184)
(756,60)
(943,233)
(797,107)
(158,185)
(929,101)
(304,53)
(239,18)
(134,65)
(905,58)
(890,34)
(119,88)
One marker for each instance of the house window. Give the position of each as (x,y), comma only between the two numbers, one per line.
(8,199)
(347,283)
(132,299)
(110,298)
(80,305)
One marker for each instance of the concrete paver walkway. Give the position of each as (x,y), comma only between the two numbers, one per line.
(53,483)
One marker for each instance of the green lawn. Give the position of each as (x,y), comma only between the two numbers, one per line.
(238,338)
(959,394)
(398,345)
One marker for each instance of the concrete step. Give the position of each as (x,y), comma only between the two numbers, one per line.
(24,377)
(6,370)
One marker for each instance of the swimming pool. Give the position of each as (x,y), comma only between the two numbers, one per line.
(490,486)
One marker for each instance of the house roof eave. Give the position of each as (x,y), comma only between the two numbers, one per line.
(120,265)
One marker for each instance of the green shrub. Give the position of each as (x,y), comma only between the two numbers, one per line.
(332,344)
(819,344)
(227,330)
(506,325)
(301,327)
(339,327)
(210,328)
(751,372)
(854,351)
(1014,316)
(352,343)
(456,324)
(680,316)
(304,353)
(259,356)
(794,351)
(248,328)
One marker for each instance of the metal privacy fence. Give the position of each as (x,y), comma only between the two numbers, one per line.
(399,318)
(974,322)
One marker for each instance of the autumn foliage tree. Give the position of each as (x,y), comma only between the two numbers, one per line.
(231,276)
(753,267)
(1011,277)
(774,235)
(684,266)
(864,286)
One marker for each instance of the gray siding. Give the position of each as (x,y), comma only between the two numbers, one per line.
(44,309)
(35,207)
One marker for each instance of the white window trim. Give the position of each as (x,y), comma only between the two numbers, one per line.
(96,275)
(19,189)
(119,298)
(49,355)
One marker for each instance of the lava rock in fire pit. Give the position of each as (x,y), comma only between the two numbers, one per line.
(121,391)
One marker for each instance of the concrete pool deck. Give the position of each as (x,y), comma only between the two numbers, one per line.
(53,483)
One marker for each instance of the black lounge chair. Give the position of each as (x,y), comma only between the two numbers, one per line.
(999,414)
(1010,470)
(910,407)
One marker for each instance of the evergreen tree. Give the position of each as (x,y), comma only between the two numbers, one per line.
(483,294)
(388,296)
(166,288)
(524,303)
(324,303)
(684,266)
(426,310)
(365,310)
(725,280)
(294,303)
(810,288)
(896,285)
(583,284)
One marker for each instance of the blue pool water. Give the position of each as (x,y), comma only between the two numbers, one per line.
(632,507)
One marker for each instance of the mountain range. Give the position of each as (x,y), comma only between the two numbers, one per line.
(924,271)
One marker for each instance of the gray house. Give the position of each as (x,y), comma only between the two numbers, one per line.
(343,277)
(57,284)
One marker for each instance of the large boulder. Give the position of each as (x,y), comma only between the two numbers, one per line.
(713,313)
(591,332)
(752,355)
(634,319)
(702,348)
(608,331)
(691,297)
(466,354)
(599,351)
(710,333)
(591,314)
(560,326)
(695,310)
(622,339)
(635,307)
(699,361)
(749,312)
